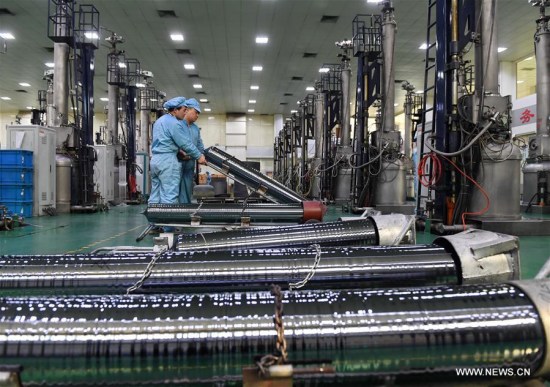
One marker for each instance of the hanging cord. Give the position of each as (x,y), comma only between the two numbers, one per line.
(197,210)
(301,284)
(423,170)
(483,192)
(147,272)
(280,355)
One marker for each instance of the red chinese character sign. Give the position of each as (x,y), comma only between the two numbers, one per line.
(526,116)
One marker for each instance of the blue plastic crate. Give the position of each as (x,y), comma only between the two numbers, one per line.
(19,175)
(15,192)
(15,158)
(21,208)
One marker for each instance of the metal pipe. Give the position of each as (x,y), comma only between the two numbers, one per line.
(234,212)
(337,268)
(112,112)
(319,130)
(361,232)
(237,170)
(61,84)
(487,67)
(144,123)
(370,335)
(346,111)
(389,27)
(542,51)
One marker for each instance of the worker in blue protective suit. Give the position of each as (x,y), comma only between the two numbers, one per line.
(168,138)
(192,132)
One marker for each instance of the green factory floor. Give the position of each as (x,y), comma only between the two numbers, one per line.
(121,225)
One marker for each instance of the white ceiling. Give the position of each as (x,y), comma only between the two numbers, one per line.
(221,37)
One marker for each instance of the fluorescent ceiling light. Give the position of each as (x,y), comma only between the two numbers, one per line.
(24,84)
(197,86)
(423,46)
(254,87)
(203,100)
(140,85)
(374,1)
(324,70)
(262,39)
(5,98)
(310,88)
(294,111)
(251,110)
(251,101)
(287,119)
(257,68)
(176,37)
(7,35)
(104,99)
(207,110)
(526,59)
(518,82)
(122,65)
(500,49)
(189,66)
(153,99)
(91,35)
(30,107)
(49,64)
(211,118)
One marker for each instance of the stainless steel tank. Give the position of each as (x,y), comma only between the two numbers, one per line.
(63,165)
(499,175)
(390,185)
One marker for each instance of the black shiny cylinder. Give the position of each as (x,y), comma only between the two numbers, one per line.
(225,213)
(360,232)
(237,170)
(369,334)
(337,268)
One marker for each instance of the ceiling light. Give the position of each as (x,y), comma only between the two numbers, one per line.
(423,46)
(287,119)
(518,82)
(419,91)
(189,66)
(254,87)
(197,86)
(257,68)
(374,1)
(203,100)
(251,101)
(5,98)
(176,37)
(211,118)
(207,110)
(122,65)
(294,111)
(324,70)
(153,99)
(91,35)
(262,39)
(500,49)
(251,110)
(49,64)
(7,35)
(526,59)
(24,84)
(30,107)
(104,99)
(140,85)
(310,88)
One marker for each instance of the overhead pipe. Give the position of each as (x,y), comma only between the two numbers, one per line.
(448,261)
(238,171)
(371,336)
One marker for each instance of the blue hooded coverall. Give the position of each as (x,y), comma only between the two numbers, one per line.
(168,137)
(193,134)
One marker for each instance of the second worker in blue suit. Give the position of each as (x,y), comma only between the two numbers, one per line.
(193,134)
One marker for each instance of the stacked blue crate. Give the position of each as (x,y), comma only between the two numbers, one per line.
(16,181)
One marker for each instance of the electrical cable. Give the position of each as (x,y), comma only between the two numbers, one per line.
(487,206)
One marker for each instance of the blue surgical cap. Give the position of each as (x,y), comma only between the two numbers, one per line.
(174,103)
(193,103)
